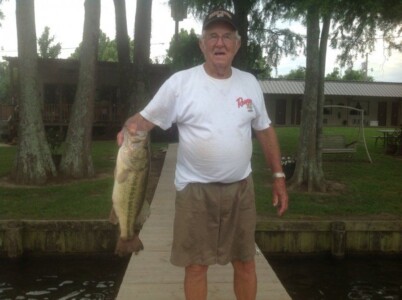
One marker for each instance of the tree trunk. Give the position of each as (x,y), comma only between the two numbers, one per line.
(123,52)
(77,160)
(321,95)
(241,10)
(33,162)
(307,172)
(142,46)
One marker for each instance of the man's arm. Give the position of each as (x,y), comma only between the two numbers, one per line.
(134,124)
(270,147)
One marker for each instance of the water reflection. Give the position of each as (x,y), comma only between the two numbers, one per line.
(99,278)
(94,278)
(323,278)
(373,290)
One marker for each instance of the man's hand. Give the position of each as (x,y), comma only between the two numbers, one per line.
(279,195)
(134,124)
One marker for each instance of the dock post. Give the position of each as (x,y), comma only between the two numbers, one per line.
(338,244)
(13,240)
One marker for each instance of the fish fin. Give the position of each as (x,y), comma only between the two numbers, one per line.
(122,176)
(113,217)
(143,215)
(126,247)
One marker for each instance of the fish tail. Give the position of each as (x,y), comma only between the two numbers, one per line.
(125,247)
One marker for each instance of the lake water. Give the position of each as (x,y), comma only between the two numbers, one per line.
(99,278)
(323,278)
(63,278)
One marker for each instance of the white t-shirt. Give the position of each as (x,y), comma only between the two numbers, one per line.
(214,119)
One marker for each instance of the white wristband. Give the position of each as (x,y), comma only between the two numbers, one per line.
(278,175)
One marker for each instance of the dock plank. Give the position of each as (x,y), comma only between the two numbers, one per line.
(150,276)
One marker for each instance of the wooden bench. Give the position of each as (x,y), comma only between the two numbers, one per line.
(337,144)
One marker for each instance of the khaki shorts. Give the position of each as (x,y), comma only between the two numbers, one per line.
(214,223)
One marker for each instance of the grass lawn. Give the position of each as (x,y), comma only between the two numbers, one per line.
(372,190)
(88,199)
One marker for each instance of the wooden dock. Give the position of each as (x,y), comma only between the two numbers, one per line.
(150,276)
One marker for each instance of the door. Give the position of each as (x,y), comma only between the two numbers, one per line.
(280,112)
(296,112)
(395,113)
(382,113)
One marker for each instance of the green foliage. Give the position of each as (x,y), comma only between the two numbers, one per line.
(356,75)
(76,53)
(276,42)
(200,7)
(355,25)
(350,75)
(266,44)
(299,73)
(257,62)
(394,143)
(184,52)
(46,47)
(358,24)
(1,14)
(334,75)
(107,49)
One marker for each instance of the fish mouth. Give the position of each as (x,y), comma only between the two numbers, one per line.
(142,133)
(137,135)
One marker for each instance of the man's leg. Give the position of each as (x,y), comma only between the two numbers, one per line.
(195,282)
(245,280)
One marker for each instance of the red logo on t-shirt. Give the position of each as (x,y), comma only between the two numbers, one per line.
(248,102)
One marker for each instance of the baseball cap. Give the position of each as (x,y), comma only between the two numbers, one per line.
(220,15)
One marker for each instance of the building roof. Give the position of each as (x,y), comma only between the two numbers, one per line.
(335,88)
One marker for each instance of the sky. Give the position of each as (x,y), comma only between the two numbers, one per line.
(65,20)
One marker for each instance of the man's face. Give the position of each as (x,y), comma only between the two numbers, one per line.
(219,44)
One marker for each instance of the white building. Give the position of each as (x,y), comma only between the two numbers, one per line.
(381,101)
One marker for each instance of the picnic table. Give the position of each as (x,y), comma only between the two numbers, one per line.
(387,135)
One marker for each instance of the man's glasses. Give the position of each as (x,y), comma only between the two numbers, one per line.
(227,38)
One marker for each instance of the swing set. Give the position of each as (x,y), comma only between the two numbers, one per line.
(337,143)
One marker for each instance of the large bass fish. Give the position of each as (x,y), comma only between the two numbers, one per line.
(130,209)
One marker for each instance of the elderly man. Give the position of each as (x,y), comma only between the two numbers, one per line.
(215,107)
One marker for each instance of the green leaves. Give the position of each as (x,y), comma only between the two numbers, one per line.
(47,48)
